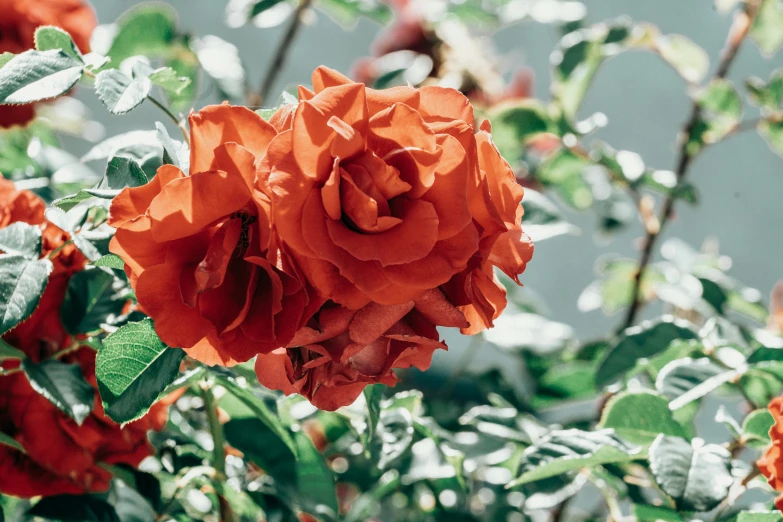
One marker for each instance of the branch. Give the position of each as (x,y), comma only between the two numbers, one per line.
(737,34)
(257,99)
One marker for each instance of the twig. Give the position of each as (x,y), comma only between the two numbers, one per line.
(218,452)
(739,30)
(281,53)
(57,250)
(177,121)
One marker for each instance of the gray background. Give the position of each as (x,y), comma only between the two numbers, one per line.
(740,181)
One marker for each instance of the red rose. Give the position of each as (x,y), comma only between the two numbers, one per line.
(771,464)
(18,23)
(199,249)
(341,351)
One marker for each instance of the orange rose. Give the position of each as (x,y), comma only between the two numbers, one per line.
(199,249)
(341,351)
(384,195)
(370,189)
(18,23)
(62,457)
(771,464)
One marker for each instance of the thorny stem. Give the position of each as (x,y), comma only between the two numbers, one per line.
(257,100)
(737,33)
(218,452)
(177,121)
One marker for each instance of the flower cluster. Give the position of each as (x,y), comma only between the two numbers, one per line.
(330,241)
(67,459)
(18,23)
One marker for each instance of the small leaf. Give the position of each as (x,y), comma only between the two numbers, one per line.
(571,450)
(686,380)
(123,172)
(167,79)
(760,516)
(63,385)
(72,508)
(639,417)
(21,239)
(220,60)
(110,261)
(647,513)
(643,341)
(22,282)
(721,110)
(91,297)
(133,367)
(767,28)
(9,352)
(38,75)
(119,93)
(766,95)
(372,396)
(697,478)
(9,441)
(687,58)
(171,151)
(772,132)
(513,125)
(49,37)
(542,219)
(756,426)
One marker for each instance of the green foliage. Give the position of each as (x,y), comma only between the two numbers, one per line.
(48,38)
(38,75)
(640,417)
(21,239)
(63,385)
(119,93)
(93,297)
(22,282)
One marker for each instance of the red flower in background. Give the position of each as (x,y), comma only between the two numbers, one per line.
(60,456)
(20,19)
(771,463)
(199,249)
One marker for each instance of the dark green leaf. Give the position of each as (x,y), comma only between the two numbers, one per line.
(643,341)
(697,478)
(92,296)
(123,172)
(38,75)
(63,385)
(571,450)
(130,506)
(721,110)
(639,417)
(9,441)
(767,95)
(21,239)
(314,477)
(647,513)
(513,125)
(22,282)
(49,37)
(171,151)
(9,352)
(119,93)
(133,367)
(264,447)
(72,508)
(372,396)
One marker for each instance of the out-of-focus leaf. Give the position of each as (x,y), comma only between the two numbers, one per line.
(767,28)
(613,291)
(571,450)
(22,282)
(167,79)
(696,477)
(109,147)
(643,341)
(110,261)
(542,219)
(639,417)
(73,508)
(63,385)
(766,95)
(347,12)
(760,516)
(220,60)
(524,331)
(687,58)
(687,380)
(93,295)
(513,125)
(119,93)
(9,441)
(772,132)
(756,426)
(721,110)
(38,75)
(49,38)
(314,477)
(564,171)
(146,29)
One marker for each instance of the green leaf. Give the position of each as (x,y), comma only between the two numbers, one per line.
(767,28)
(133,367)
(542,219)
(772,132)
(38,75)
(372,396)
(110,261)
(766,95)
(49,37)
(119,93)
(147,29)
(513,125)
(109,147)
(171,150)
(259,409)
(314,477)
(639,417)
(66,203)
(647,513)
(72,508)
(756,426)
(5,58)
(571,450)
(123,172)
(518,331)
(263,446)
(92,296)
(9,352)
(721,111)
(687,58)
(130,505)
(167,79)
(760,516)
(22,282)
(613,291)
(643,341)
(21,239)
(697,478)
(686,380)
(564,171)
(63,385)
(9,441)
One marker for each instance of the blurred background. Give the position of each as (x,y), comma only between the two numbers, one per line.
(644,101)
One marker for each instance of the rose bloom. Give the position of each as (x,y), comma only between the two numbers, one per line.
(341,351)
(18,23)
(771,464)
(385,195)
(199,249)
(61,457)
